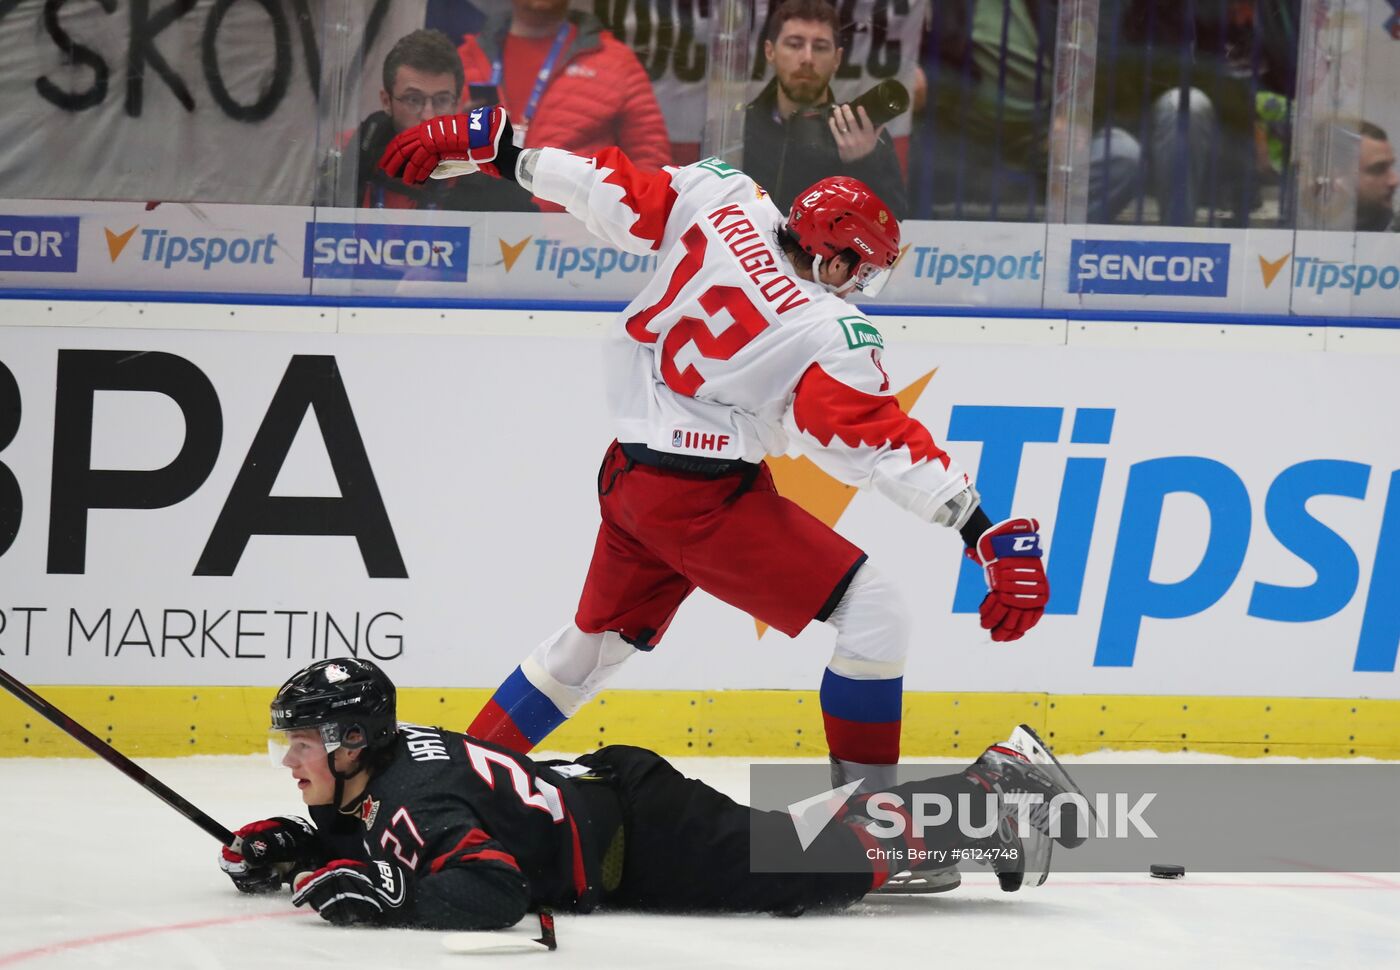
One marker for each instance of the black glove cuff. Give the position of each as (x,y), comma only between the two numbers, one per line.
(507,155)
(977,523)
(506,152)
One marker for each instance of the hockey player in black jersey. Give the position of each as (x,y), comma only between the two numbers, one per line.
(418,826)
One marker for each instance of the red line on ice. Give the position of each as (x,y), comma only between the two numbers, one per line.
(10,959)
(1197,884)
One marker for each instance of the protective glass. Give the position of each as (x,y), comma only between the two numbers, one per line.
(870,279)
(302,745)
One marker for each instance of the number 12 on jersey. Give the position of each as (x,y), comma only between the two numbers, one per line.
(748,323)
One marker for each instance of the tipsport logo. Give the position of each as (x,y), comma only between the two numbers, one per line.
(39,244)
(1132,593)
(560,261)
(1321,275)
(384,251)
(1139,268)
(1269,269)
(170,249)
(974,269)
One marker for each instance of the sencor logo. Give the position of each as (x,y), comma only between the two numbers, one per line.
(39,244)
(1149,268)
(345,250)
(941,267)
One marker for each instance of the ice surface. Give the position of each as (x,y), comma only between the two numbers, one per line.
(95,872)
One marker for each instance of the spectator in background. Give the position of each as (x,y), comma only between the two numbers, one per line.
(671,39)
(458,18)
(422,79)
(1185,78)
(1154,75)
(794,132)
(880,40)
(990,92)
(566,82)
(1376,181)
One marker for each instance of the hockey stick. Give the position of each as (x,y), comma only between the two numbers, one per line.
(115,758)
(494,943)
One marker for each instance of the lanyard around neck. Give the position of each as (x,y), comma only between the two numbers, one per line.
(541,79)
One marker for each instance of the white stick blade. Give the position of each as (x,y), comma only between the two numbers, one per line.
(490,942)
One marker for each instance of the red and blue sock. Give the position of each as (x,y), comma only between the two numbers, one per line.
(518,716)
(863,718)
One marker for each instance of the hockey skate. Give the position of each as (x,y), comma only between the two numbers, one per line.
(1018,767)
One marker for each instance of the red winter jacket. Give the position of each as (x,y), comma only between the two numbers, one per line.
(598,95)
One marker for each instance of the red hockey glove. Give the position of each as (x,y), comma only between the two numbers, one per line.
(480,141)
(263,853)
(344,891)
(1010,553)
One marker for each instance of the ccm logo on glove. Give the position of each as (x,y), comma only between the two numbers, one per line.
(452,145)
(1017,591)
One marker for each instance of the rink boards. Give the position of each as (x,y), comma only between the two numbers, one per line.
(174,721)
(1221,507)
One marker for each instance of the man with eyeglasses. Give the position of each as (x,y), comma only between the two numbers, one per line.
(423,78)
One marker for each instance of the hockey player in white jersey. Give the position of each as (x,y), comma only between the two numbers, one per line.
(742,346)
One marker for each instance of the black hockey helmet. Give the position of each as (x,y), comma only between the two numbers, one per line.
(350,701)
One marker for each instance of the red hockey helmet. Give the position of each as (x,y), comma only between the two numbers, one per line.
(839,214)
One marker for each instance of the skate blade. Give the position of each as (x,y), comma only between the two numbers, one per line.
(920,883)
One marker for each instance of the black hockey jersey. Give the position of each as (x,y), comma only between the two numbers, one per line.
(477,834)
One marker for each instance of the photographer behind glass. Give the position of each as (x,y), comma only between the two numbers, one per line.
(794,132)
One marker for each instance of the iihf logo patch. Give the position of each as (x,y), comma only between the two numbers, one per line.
(676,439)
(335,673)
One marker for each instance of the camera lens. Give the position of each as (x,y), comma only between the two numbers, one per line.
(883,102)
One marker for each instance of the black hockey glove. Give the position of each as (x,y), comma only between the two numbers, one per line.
(265,853)
(346,891)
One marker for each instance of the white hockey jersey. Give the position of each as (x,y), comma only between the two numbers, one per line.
(727,352)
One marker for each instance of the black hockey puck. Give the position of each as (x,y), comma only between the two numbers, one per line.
(1160,871)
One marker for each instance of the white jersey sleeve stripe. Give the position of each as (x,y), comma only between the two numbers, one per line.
(616,200)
